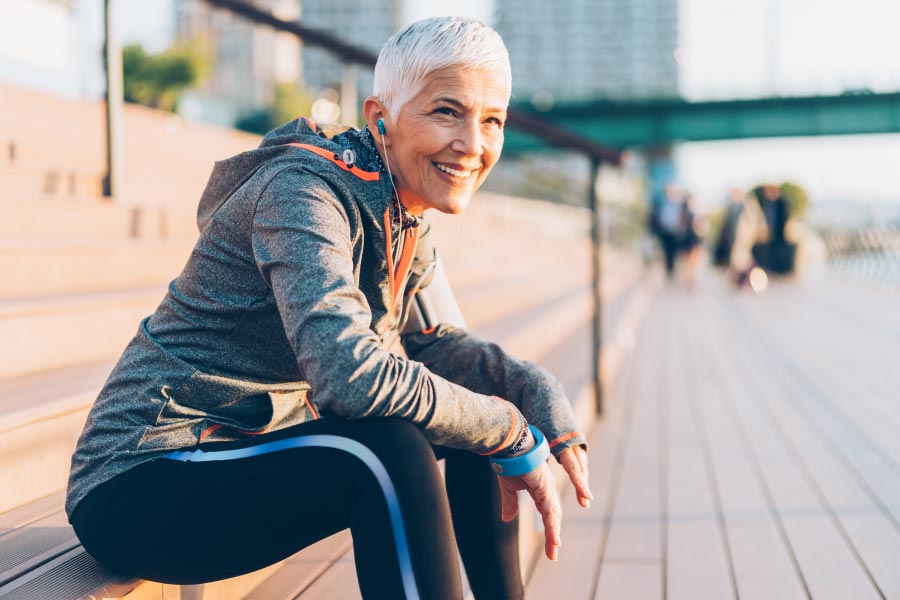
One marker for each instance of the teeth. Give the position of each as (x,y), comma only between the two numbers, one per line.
(453,172)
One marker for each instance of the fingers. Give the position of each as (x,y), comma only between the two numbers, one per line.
(543,491)
(509,501)
(574,461)
(581,455)
(551,514)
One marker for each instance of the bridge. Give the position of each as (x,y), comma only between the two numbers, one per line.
(664,122)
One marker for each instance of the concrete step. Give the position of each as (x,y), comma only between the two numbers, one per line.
(38,268)
(50,182)
(91,218)
(54,332)
(41,417)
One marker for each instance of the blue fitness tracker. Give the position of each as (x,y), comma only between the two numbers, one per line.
(524,463)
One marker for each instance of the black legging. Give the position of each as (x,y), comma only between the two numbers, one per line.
(194,522)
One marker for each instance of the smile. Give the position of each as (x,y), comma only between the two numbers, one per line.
(453,172)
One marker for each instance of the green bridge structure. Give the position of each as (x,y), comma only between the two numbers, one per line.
(660,123)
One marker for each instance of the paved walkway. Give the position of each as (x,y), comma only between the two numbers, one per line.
(749,450)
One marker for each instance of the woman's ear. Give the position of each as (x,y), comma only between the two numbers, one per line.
(375,111)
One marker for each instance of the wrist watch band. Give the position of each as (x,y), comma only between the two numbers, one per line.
(524,463)
(519,444)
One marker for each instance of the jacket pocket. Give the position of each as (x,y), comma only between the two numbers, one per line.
(206,407)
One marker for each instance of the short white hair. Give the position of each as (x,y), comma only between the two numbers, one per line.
(426,46)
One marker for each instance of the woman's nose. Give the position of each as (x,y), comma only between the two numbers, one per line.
(469,139)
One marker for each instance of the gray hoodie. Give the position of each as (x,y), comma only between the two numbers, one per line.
(279,317)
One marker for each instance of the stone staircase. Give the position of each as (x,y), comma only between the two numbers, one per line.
(80,272)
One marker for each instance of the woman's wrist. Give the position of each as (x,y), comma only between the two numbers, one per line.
(523,444)
(524,461)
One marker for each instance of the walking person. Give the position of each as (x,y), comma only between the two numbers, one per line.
(257,410)
(691,240)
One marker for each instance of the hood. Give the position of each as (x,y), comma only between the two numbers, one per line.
(229,174)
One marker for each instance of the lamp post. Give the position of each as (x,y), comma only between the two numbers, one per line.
(112,54)
(596,283)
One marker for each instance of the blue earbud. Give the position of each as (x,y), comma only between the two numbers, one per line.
(381,128)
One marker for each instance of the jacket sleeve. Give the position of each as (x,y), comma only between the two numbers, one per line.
(302,244)
(484,367)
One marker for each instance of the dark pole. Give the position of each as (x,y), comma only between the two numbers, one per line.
(596,282)
(112,61)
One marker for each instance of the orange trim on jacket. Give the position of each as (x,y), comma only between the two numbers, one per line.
(336,159)
(310,406)
(513,430)
(564,438)
(209,431)
(398,276)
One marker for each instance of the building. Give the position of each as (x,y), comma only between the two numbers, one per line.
(364,23)
(571,50)
(249,60)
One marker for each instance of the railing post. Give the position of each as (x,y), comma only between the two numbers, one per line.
(596,282)
(112,54)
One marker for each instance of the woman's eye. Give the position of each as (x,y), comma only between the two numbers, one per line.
(446,110)
(495,121)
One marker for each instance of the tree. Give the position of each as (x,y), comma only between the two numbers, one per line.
(290,102)
(158,80)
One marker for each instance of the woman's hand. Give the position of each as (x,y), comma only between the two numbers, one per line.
(539,484)
(574,460)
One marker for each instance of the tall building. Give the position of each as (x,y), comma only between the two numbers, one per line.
(364,23)
(589,49)
(248,60)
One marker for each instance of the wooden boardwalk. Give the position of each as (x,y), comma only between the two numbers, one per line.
(750,449)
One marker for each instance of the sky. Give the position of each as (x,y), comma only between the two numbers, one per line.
(734,48)
(754,48)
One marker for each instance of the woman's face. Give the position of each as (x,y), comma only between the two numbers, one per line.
(445,140)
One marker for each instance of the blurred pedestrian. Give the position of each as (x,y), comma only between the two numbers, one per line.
(691,240)
(776,254)
(725,240)
(670,226)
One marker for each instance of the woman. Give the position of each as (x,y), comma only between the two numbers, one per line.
(257,411)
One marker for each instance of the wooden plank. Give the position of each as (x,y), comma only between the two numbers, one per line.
(624,580)
(337,583)
(839,372)
(23,515)
(73,574)
(868,527)
(301,570)
(634,518)
(762,561)
(847,442)
(697,561)
(35,544)
(828,563)
(582,529)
